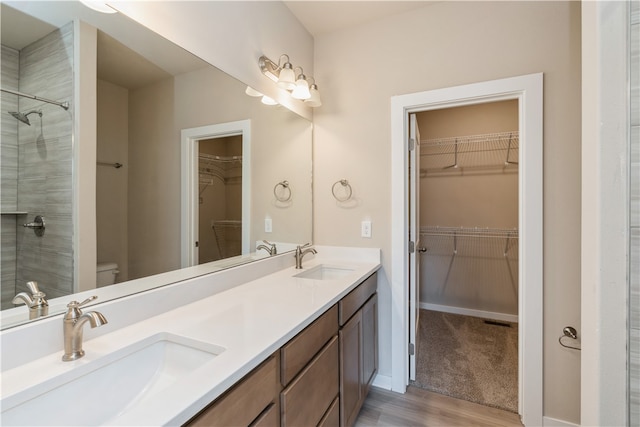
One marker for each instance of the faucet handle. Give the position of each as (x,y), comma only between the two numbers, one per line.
(74,311)
(33,287)
(76,304)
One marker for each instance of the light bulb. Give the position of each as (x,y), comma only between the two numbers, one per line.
(302,88)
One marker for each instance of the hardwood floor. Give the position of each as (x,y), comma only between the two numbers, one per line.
(418,407)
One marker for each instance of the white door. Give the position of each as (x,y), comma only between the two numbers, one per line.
(414,242)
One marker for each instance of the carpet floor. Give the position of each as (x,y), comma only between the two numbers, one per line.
(467,358)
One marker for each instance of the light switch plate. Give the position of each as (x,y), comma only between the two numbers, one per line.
(268,225)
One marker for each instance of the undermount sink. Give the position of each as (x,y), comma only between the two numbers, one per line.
(325,272)
(102,390)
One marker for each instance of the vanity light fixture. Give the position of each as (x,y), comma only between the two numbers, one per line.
(284,75)
(99,6)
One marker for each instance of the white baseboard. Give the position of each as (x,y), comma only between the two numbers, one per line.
(382,381)
(471,312)
(552,422)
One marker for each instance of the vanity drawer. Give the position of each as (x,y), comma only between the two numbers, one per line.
(350,304)
(309,396)
(300,350)
(246,401)
(332,417)
(269,418)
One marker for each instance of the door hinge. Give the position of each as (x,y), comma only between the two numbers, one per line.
(412,349)
(412,144)
(412,246)
(197,244)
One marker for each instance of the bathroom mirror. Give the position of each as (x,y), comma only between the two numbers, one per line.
(122,182)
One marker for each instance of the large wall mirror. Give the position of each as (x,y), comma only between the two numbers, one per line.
(161,168)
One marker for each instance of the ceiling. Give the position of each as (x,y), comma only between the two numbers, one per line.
(321,16)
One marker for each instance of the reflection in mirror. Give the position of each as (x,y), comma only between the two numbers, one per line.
(142,103)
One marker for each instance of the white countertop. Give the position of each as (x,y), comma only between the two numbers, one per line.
(250,321)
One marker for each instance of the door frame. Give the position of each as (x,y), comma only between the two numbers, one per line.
(528,90)
(189,184)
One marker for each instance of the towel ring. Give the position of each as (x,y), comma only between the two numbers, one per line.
(344,184)
(285,189)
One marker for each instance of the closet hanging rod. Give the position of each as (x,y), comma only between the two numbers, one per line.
(470,139)
(64,104)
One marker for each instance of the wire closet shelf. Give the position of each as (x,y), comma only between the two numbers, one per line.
(470,241)
(473,151)
(219,167)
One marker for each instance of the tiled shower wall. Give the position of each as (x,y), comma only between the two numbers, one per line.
(44,172)
(634,220)
(9,178)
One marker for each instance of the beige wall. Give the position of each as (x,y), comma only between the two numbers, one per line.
(112,183)
(154,181)
(209,30)
(446,44)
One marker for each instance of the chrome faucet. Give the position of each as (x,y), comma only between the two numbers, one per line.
(269,247)
(300,253)
(38,306)
(74,321)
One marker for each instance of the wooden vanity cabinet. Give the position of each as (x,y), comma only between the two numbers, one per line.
(319,378)
(358,337)
(254,401)
(310,374)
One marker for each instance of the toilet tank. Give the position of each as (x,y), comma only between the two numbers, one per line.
(106,274)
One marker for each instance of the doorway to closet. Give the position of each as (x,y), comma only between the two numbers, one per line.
(528,90)
(466,202)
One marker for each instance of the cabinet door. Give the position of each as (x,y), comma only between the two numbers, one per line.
(369,342)
(350,370)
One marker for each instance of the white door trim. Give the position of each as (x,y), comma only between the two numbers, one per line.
(529,92)
(189,183)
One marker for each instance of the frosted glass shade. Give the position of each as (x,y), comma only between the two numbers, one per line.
(314,98)
(252,92)
(268,101)
(287,78)
(302,89)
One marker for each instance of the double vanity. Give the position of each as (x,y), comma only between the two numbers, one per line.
(260,344)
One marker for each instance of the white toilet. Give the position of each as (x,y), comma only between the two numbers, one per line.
(106,274)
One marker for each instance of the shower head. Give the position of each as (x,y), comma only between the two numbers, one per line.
(23,117)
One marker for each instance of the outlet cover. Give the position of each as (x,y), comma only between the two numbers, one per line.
(365,229)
